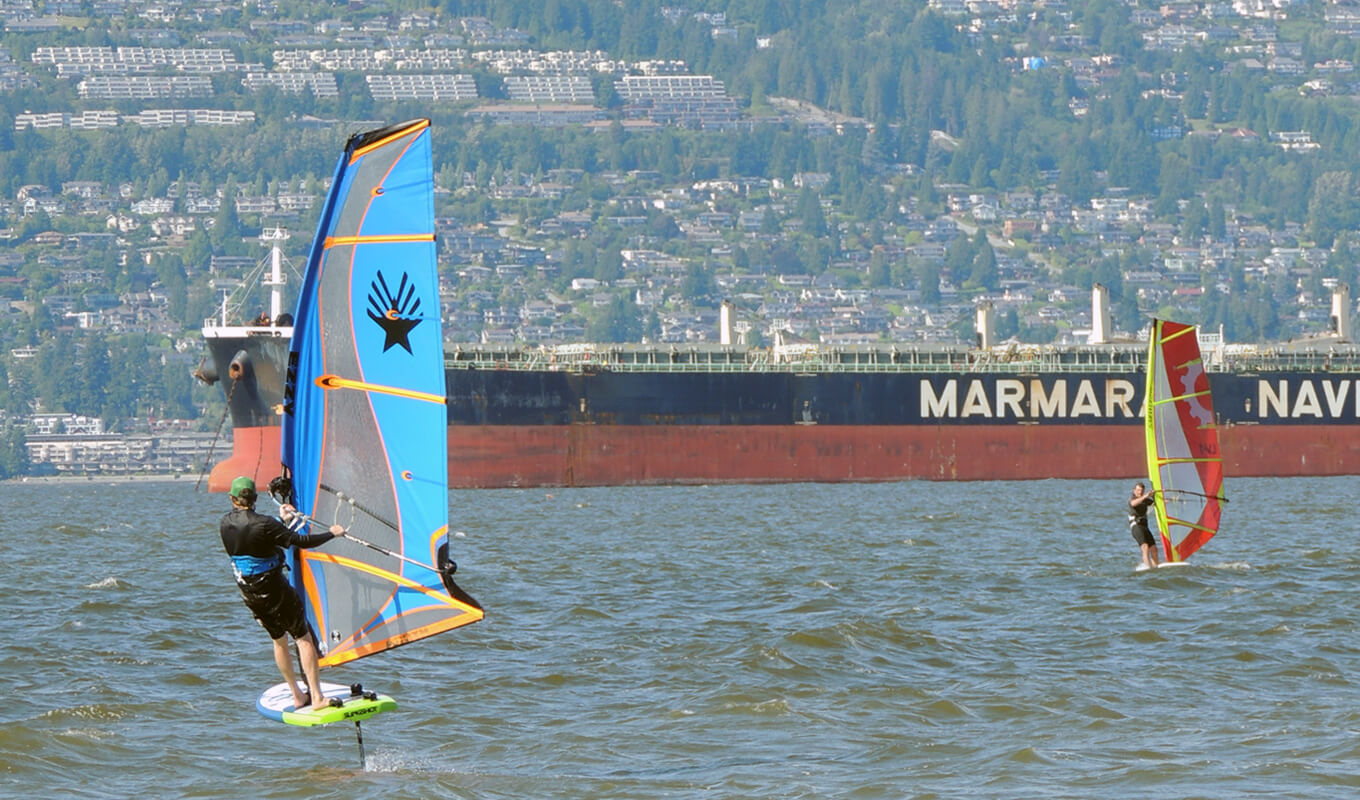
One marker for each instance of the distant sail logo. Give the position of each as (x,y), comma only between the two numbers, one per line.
(395,312)
(1194,385)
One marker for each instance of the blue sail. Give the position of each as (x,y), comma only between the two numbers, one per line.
(364,424)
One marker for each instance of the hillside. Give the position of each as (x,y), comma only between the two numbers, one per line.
(857,171)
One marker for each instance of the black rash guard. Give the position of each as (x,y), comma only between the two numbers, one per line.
(258,538)
(254,542)
(1138,522)
(1138,511)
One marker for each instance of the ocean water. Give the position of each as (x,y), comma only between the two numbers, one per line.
(911,640)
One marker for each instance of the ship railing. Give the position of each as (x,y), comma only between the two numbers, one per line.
(715,358)
(214,329)
(1286,361)
(1023,359)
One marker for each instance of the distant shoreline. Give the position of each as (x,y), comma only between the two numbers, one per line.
(167,478)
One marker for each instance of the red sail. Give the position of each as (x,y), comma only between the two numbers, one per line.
(1184,461)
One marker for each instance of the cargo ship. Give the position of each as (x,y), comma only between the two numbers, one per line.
(604,415)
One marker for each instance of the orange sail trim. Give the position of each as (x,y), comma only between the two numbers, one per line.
(339,241)
(312,591)
(337,382)
(439,533)
(360,152)
(340,657)
(391,576)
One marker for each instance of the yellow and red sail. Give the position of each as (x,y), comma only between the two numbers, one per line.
(1184,461)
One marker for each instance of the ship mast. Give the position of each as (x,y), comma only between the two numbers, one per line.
(275,237)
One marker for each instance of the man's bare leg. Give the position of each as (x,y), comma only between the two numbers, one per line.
(311,670)
(284,658)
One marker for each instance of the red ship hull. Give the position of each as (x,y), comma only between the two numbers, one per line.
(254,452)
(607,455)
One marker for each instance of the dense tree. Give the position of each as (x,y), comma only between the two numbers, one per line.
(697,285)
(929,283)
(608,266)
(227,231)
(13,452)
(960,254)
(1007,324)
(880,270)
(984,272)
(1332,207)
(619,321)
(58,377)
(810,213)
(786,261)
(93,374)
(175,399)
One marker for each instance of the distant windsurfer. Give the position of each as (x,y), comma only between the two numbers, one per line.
(256,545)
(1139,504)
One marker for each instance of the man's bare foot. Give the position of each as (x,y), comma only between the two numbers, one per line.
(301,701)
(318,699)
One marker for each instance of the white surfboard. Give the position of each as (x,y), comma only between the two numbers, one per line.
(1161,565)
(277,704)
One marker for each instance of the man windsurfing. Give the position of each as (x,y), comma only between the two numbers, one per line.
(256,544)
(1138,507)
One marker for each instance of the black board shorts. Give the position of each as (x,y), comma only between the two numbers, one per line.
(274,603)
(1142,534)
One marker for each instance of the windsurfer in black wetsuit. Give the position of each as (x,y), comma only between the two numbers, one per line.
(256,544)
(1138,524)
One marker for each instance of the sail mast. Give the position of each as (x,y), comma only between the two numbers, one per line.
(1150,411)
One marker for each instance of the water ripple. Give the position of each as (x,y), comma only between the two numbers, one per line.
(859,641)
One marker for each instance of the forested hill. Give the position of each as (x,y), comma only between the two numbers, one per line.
(1143,117)
(907,158)
(1004,96)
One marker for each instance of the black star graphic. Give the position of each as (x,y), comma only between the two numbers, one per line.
(395,313)
(397,330)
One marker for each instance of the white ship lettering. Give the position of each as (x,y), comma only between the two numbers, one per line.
(1054,405)
(943,406)
(1273,399)
(1016,399)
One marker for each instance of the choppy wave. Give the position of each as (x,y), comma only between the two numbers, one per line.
(107,583)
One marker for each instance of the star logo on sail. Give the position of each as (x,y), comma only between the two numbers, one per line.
(397,313)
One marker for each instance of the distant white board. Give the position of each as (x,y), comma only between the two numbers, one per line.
(1162,565)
